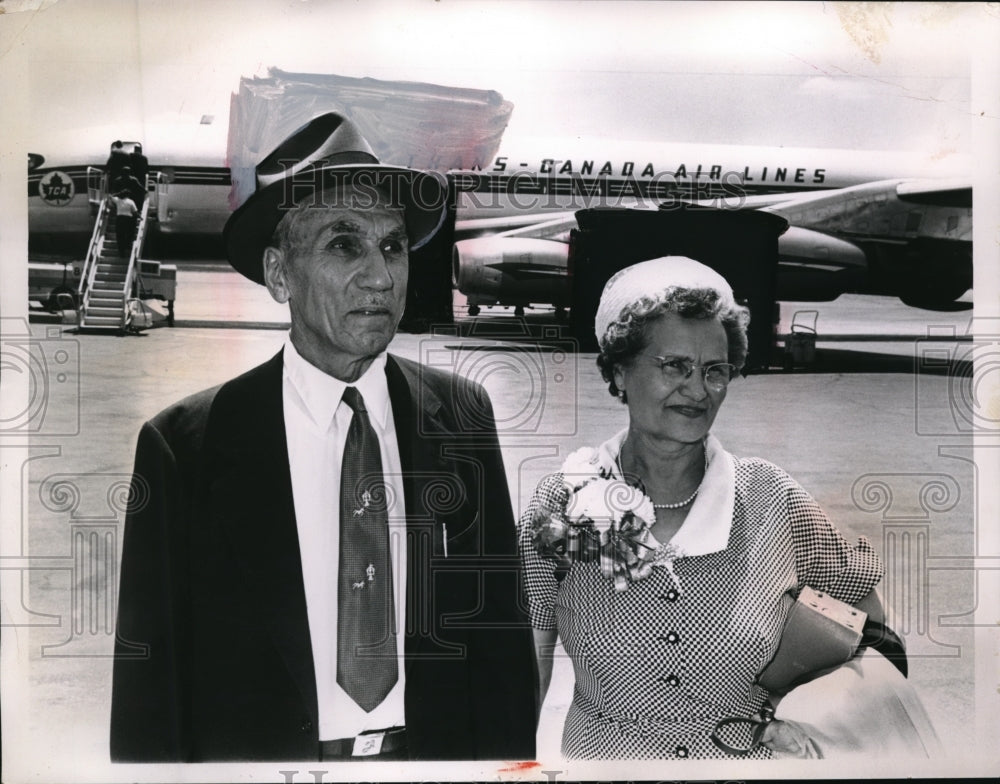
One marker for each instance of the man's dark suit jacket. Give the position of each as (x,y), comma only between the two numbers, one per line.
(213,657)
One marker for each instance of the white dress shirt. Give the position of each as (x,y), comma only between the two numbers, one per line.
(124,206)
(316,425)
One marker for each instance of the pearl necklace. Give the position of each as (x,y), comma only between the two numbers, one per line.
(678,504)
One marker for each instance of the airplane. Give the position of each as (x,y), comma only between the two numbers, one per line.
(871,222)
(859,222)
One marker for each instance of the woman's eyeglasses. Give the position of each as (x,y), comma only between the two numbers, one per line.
(676,369)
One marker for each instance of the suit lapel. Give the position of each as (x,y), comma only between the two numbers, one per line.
(417,412)
(251,496)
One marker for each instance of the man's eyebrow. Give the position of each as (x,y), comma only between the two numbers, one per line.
(344,224)
(350,226)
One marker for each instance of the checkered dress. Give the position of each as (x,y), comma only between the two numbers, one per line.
(659,663)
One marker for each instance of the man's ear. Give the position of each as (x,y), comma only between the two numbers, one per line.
(274,274)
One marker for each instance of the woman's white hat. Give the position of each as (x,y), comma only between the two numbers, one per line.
(653,280)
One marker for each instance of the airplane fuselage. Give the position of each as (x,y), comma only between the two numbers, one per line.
(843,218)
(565,176)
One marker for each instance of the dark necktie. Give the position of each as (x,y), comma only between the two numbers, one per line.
(366,644)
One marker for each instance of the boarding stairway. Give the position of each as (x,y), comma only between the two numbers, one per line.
(109,282)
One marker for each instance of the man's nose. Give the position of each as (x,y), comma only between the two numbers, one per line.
(376,273)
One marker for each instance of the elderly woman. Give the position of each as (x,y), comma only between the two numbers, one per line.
(669,626)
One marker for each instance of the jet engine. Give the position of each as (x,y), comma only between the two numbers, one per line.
(511,271)
(815,267)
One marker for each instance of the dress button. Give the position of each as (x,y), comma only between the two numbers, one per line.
(672,595)
(670,680)
(673,637)
(307,726)
(681,751)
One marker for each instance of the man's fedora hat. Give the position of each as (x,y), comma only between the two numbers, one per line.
(327,152)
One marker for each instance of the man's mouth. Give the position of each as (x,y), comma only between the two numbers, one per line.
(374,310)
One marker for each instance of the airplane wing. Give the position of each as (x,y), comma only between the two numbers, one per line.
(553,227)
(906,238)
(533,225)
(943,193)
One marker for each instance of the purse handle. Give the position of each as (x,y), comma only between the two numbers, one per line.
(881,638)
(757,727)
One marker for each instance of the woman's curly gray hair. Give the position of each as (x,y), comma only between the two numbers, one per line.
(626,336)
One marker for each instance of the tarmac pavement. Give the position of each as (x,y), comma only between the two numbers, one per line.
(876,431)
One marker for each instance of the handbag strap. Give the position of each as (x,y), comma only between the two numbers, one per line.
(884,640)
(757,727)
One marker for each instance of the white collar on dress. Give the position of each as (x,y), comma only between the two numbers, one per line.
(709,521)
(321,393)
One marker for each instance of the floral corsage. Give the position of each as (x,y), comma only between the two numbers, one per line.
(604,519)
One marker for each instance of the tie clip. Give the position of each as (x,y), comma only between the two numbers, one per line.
(366,500)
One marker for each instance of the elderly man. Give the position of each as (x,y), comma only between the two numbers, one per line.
(320,563)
